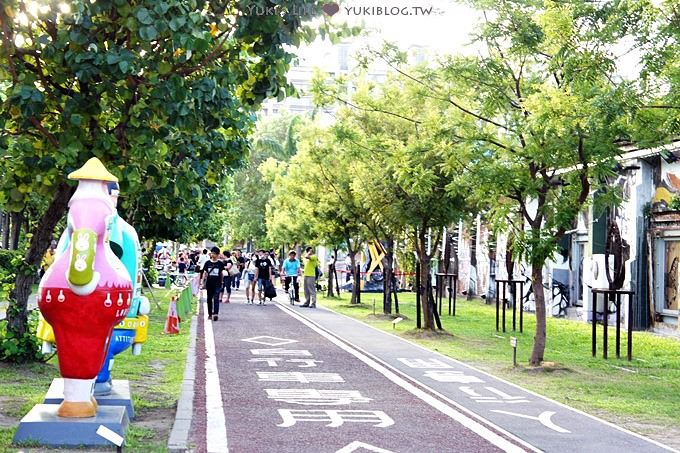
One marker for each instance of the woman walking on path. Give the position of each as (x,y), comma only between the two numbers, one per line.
(250,281)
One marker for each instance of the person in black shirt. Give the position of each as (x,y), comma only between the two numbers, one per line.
(263,273)
(226,282)
(212,275)
(241,263)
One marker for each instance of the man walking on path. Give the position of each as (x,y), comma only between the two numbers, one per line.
(213,275)
(241,263)
(311,264)
(291,271)
(264,274)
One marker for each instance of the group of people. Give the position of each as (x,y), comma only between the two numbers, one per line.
(222,271)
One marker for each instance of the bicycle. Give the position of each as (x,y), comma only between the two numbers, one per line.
(291,294)
(291,288)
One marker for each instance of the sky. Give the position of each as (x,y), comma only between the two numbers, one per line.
(442,26)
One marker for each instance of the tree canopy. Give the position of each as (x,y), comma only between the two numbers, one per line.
(163,92)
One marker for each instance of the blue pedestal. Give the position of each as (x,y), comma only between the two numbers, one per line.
(42,426)
(119,396)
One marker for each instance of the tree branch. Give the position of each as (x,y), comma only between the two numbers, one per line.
(50,137)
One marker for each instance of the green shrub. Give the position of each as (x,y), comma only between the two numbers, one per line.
(9,264)
(674,205)
(149,270)
(22,349)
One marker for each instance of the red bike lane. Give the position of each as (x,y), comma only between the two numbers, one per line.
(286,388)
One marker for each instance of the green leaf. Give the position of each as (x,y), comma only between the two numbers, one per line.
(176,23)
(123,66)
(148,33)
(76,119)
(164,67)
(112,58)
(143,15)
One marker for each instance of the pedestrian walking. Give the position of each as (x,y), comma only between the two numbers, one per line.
(291,271)
(212,275)
(229,269)
(250,280)
(241,264)
(264,274)
(182,262)
(310,274)
(202,259)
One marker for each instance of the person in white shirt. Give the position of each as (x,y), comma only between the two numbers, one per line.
(203,259)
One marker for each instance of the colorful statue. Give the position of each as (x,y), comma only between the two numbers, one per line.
(87,291)
(132,331)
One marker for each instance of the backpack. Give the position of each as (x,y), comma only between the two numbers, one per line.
(269,290)
(233,270)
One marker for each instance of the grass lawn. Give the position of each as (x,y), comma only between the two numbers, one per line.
(155,380)
(642,395)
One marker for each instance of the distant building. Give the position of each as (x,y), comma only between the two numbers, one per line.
(335,60)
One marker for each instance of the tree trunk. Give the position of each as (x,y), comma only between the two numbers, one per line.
(5,230)
(17,316)
(356,283)
(15,232)
(331,271)
(388,272)
(539,298)
(423,289)
(335,272)
(396,294)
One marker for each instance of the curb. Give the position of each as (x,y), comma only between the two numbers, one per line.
(179,436)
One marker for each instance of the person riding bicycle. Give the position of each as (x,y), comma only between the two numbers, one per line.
(291,271)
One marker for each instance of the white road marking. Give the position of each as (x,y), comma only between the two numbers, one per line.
(280,351)
(269,341)
(424,363)
(452,376)
(467,422)
(296,376)
(334,418)
(543,418)
(313,397)
(216,426)
(356,445)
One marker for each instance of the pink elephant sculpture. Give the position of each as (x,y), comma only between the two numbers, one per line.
(86,292)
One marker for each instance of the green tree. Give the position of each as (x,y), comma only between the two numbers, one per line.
(163,92)
(274,141)
(399,174)
(313,200)
(537,117)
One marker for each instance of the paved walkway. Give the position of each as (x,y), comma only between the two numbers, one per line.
(277,378)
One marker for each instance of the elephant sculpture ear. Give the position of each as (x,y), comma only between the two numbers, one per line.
(94,170)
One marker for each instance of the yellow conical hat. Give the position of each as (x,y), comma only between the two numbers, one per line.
(93,169)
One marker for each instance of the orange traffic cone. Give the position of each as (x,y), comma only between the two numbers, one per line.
(172,321)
